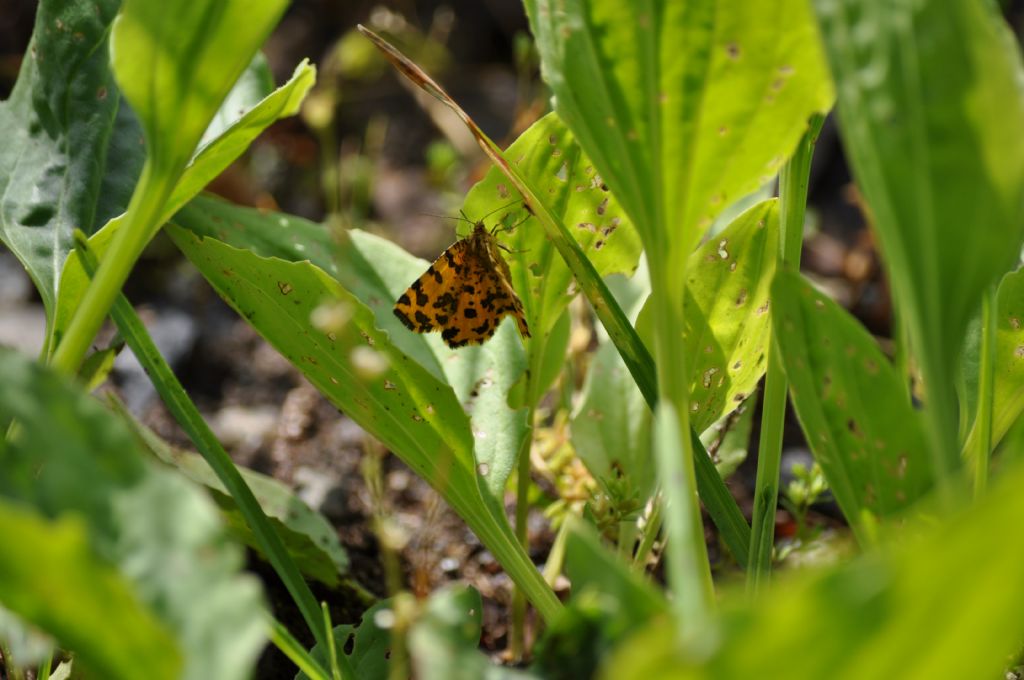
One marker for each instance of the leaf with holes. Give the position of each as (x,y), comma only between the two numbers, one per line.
(727,316)
(851,404)
(366,644)
(727,319)
(682,107)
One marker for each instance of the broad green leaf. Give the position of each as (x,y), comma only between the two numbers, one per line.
(726,313)
(307,535)
(611,431)
(358,368)
(549,159)
(51,576)
(176,61)
(63,135)
(70,456)
(863,432)
(209,162)
(931,112)
(943,602)
(444,640)
(1008,401)
(682,107)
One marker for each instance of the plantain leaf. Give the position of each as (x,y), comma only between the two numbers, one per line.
(931,112)
(67,149)
(176,61)
(726,313)
(682,107)
(863,432)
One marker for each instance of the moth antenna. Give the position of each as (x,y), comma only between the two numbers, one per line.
(446,217)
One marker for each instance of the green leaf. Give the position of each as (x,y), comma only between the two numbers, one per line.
(549,159)
(1009,360)
(611,431)
(358,368)
(62,136)
(930,111)
(943,601)
(255,84)
(726,313)
(176,61)
(209,162)
(852,406)
(70,456)
(683,108)
(51,576)
(307,535)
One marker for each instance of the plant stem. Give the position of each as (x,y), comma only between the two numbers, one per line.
(650,534)
(769,460)
(188,417)
(687,567)
(556,557)
(517,633)
(986,383)
(793,180)
(627,539)
(147,202)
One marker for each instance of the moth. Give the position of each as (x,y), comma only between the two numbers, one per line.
(465,293)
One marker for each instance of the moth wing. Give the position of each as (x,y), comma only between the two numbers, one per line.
(429,303)
(485,299)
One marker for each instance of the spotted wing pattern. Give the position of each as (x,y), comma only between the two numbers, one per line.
(464,294)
